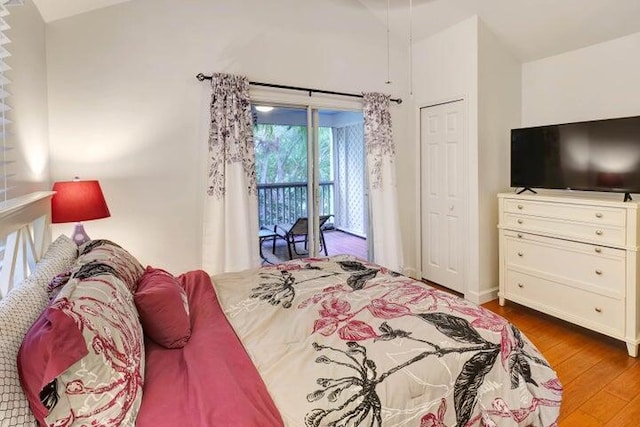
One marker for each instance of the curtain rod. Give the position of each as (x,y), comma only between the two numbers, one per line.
(202,77)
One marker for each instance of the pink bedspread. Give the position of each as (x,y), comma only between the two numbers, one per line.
(209,382)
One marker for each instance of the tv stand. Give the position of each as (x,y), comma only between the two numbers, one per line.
(627,197)
(529,189)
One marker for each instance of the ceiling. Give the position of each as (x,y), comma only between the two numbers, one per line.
(531,29)
(52,10)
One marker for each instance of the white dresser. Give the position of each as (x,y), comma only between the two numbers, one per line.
(575,258)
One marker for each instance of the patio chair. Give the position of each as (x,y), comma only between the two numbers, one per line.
(298,233)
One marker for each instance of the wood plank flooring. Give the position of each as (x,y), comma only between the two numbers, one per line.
(338,242)
(601,382)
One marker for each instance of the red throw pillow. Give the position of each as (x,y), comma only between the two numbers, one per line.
(163,308)
(52,344)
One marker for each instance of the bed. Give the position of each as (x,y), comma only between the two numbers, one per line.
(332,341)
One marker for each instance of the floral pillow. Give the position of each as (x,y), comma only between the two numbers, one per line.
(97,379)
(110,258)
(57,283)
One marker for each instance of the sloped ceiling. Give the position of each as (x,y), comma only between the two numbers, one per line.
(531,29)
(52,10)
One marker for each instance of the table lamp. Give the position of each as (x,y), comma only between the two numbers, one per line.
(77,201)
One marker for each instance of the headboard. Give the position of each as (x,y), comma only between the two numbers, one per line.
(25,224)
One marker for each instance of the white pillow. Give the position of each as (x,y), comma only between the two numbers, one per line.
(18,310)
(60,255)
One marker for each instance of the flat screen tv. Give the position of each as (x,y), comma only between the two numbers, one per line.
(600,155)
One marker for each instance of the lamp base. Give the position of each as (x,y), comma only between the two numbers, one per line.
(80,236)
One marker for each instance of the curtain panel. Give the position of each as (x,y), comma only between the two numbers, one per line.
(383,198)
(230,234)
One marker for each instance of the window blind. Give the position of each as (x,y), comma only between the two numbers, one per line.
(6,161)
(6,158)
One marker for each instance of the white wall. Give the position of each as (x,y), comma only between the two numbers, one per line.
(599,81)
(125,107)
(28,132)
(445,69)
(445,65)
(468,61)
(499,102)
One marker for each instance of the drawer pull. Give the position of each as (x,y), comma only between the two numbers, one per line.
(599,232)
(598,215)
(598,250)
(519,235)
(599,272)
(520,221)
(520,254)
(520,207)
(598,310)
(520,285)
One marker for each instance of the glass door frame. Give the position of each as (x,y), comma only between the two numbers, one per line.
(313,180)
(313,151)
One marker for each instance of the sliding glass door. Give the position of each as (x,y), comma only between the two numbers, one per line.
(310,171)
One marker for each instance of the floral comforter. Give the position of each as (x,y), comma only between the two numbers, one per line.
(342,342)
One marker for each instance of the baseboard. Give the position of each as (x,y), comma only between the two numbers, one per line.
(482,297)
(410,272)
(347,231)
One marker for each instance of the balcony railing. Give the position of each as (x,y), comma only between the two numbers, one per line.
(284,203)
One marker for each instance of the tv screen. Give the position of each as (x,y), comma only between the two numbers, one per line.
(601,155)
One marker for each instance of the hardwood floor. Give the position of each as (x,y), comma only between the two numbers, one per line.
(601,382)
(338,242)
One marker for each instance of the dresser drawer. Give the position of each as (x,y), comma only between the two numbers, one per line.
(594,311)
(593,268)
(583,213)
(599,234)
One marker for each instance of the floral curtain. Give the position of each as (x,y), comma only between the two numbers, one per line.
(230,240)
(380,152)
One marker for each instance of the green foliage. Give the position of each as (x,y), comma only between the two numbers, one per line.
(325,147)
(281,153)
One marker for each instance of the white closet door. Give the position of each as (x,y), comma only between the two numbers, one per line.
(443,194)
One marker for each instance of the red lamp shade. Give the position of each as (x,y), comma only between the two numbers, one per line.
(77,201)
